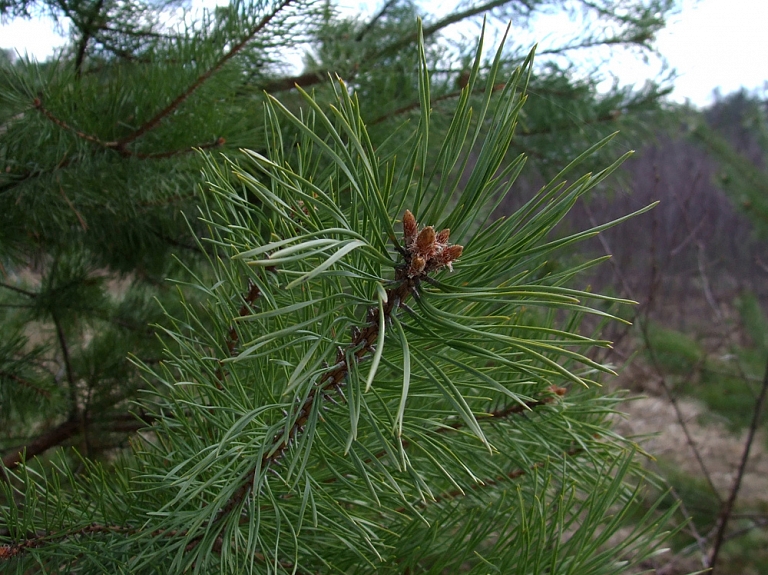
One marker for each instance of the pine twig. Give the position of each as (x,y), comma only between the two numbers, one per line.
(123,423)
(233,338)
(170,108)
(118,145)
(26,383)
(312,78)
(10,551)
(378,16)
(18,290)
(510,475)
(73,410)
(38,104)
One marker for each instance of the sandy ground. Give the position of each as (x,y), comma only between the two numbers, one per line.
(720,449)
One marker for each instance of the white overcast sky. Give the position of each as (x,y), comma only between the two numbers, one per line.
(712,44)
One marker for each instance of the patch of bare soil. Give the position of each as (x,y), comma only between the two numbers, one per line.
(720,449)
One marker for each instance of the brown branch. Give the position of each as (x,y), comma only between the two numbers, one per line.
(80,218)
(170,153)
(73,410)
(121,423)
(233,338)
(157,118)
(25,383)
(727,509)
(38,104)
(302,80)
(510,475)
(11,551)
(18,290)
(312,78)
(416,105)
(119,146)
(378,16)
(87,31)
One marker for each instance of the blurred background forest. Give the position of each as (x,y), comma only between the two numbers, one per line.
(98,195)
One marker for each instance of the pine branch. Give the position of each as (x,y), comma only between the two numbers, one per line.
(26,383)
(8,552)
(73,409)
(378,16)
(38,104)
(232,338)
(119,146)
(119,423)
(18,290)
(128,422)
(493,482)
(423,252)
(170,108)
(87,30)
(307,79)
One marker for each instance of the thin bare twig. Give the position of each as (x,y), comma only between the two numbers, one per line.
(705,280)
(727,509)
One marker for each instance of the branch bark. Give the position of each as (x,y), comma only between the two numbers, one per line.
(313,78)
(121,423)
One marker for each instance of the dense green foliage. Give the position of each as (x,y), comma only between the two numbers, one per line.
(325,395)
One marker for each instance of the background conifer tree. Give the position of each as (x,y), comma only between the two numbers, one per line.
(367,410)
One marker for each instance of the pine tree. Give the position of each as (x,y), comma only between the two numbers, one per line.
(326,395)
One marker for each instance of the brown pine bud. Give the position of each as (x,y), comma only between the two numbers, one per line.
(442,237)
(409,228)
(425,242)
(418,264)
(453,252)
(445,257)
(463,80)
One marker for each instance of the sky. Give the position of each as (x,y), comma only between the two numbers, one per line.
(712,44)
